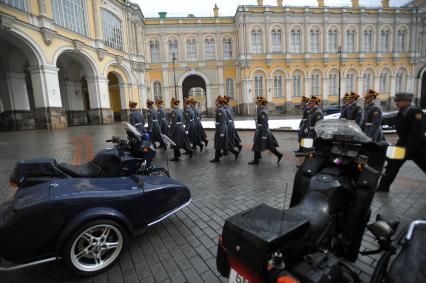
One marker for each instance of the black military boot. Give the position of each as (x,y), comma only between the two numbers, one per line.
(256,158)
(176,153)
(217,155)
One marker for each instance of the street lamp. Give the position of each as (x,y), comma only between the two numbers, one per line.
(339,50)
(174,74)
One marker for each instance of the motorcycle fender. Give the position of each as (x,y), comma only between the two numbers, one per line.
(91,215)
(312,166)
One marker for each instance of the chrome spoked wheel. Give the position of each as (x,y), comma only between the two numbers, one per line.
(159,172)
(96,248)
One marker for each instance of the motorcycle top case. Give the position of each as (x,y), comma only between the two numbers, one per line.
(252,236)
(33,168)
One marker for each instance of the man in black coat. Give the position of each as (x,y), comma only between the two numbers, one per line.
(190,126)
(344,107)
(177,131)
(353,110)
(371,123)
(154,129)
(410,126)
(232,132)
(315,115)
(303,125)
(263,138)
(222,141)
(198,125)
(136,118)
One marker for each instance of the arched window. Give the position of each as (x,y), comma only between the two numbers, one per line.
(350,40)
(191,49)
(154,50)
(333,83)
(296,40)
(256,41)
(384,82)
(316,84)
(400,81)
(401,40)
(297,84)
(278,85)
(173,48)
(332,40)
(209,49)
(157,91)
(227,49)
(385,40)
(314,40)
(258,85)
(112,28)
(230,87)
(18,4)
(350,82)
(276,41)
(368,40)
(367,81)
(69,14)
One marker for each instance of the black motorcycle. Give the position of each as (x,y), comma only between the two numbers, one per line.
(129,156)
(328,214)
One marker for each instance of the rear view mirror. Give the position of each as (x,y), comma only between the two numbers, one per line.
(307,143)
(395,152)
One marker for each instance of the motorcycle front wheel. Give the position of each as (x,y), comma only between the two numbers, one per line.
(158,171)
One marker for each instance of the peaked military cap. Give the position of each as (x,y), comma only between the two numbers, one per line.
(404,96)
(133,104)
(371,93)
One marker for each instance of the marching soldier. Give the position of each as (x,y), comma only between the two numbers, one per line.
(263,138)
(221,138)
(164,125)
(177,132)
(353,110)
(198,125)
(343,110)
(190,126)
(233,135)
(303,126)
(154,129)
(315,115)
(410,127)
(372,121)
(136,118)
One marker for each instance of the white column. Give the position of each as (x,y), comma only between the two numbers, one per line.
(123,95)
(307,90)
(288,89)
(392,86)
(376,83)
(360,85)
(98,92)
(325,88)
(72,96)
(410,84)
(269,89)
(46,86)
(18,91)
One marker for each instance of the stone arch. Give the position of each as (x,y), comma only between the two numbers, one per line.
(316,69)
(279,69)
(200,80)
(87,61)
(422,88)
(296,69)
(119,90)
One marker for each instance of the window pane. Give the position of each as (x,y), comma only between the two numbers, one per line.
(230,88)
(70,14)
(173,48)
(112,29)
(227,49)
(18,4)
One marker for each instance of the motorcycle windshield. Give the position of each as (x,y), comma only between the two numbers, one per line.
(132,129)
(340,130)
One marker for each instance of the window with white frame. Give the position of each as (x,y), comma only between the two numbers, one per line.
(401,40)
(227,49)
(278,85)
(367,82)
(350,82)
(332,40)
(230,87)
(18,4)
(191,49)
(296,40)
(196,91)
(384,40)
(400,81)
(154,50)
(256,41)
(157,91)
(209,49)
(276,41)
(70,14)
(315,84)
(333,83)
(297,85)
(350,40)
(258,85)
(112,28)
(384,82)
(368,40)
(173,48)
(314,40)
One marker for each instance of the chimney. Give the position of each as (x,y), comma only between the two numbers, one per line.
(279,3)
(355,3)
(216,10)
(162,15)
(385,3)
(320,3)
(260,2)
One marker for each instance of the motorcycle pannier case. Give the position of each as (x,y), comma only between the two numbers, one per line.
(36,170)
(252,236)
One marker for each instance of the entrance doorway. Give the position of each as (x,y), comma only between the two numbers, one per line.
(114,96)
(195,86)
(423,92)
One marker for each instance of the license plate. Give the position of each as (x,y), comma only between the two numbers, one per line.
(235,277)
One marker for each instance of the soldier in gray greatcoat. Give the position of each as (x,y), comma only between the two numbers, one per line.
(371,123)
(315,115)
(154,129)
(177,131)
(198,125)
(162,117)
(303,126)
(136,118)
(343,110)
(221,137)
(232,132)
(190,126)
(263,138)
(353,110)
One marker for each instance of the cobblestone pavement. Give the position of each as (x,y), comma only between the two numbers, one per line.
(183,247)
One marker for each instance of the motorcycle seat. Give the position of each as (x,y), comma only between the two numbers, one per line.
(87,170)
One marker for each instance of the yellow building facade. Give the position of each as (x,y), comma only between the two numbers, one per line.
(77,62)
